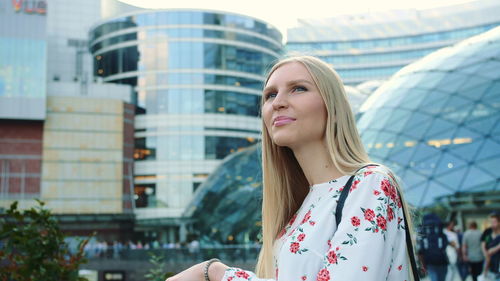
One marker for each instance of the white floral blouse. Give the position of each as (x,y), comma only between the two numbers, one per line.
(368,245)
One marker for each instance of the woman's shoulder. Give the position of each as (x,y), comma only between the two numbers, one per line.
(377,180)
(378,184)
(374,172)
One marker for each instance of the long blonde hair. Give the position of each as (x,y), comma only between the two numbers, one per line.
(284,183)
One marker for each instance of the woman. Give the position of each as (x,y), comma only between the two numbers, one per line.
(311,147)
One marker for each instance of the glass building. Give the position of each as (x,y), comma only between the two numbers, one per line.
(227,206)
(23,56)
(376,45)
(198,77)
(437,122)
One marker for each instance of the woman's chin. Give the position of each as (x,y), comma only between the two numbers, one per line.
(283,142)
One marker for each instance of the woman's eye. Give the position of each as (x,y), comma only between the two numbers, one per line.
(299,89)
(270,95)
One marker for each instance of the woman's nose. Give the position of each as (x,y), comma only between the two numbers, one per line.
(280,101)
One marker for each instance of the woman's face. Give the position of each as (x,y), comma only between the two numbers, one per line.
(293,111)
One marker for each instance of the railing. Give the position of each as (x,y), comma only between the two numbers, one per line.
(236,253)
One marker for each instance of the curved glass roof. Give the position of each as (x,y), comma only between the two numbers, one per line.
(227,206)
(437,121)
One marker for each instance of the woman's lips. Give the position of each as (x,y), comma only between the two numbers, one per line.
(283,121)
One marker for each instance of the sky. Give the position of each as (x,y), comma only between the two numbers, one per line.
(284,14)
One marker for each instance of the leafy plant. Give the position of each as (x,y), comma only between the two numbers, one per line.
(157,272)
(32,247)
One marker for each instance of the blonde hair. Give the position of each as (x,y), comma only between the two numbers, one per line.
(284,183)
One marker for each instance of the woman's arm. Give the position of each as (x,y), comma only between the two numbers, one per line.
(217,271)
(196,272)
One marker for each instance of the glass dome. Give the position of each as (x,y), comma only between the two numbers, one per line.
(227,206)
(437,121)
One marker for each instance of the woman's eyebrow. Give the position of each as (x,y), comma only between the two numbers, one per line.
(298,81)
(292,82)
(268,88)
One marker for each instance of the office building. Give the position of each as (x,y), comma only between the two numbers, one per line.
(374,46)
(63,138)
(197,76)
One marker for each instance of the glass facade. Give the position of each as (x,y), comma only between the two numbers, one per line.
(238,182)
(22,68)
(197,77)
(374,47)
(437,121)
(23,56)
(391,42)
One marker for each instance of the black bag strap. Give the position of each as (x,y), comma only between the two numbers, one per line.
(409,243)
(344,193)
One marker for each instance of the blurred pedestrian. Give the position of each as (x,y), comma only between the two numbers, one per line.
(451,250)
(471,250)
(432,247)
(463,267)
(194,249)
(490,244)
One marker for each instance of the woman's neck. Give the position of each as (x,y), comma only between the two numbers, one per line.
(314,159)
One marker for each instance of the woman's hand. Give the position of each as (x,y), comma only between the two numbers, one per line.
(195,272)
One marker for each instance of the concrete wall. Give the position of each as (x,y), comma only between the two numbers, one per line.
(82,166)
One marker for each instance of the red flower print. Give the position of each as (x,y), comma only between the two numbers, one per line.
(369,214)
(292,220)
(294,247)
(329,242)
(332,257)
(307,216)
(354,185)
(323,275)
(385,185)
(398,201)
(304,277)
(312,223)
(365,268)
(393,194)
(242,274)
(400,267)
(390,213)
(230,278)
(376,192)
(301,237)
(355,221)
(381,222)
(399,220)
(367,173)
(337,249)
